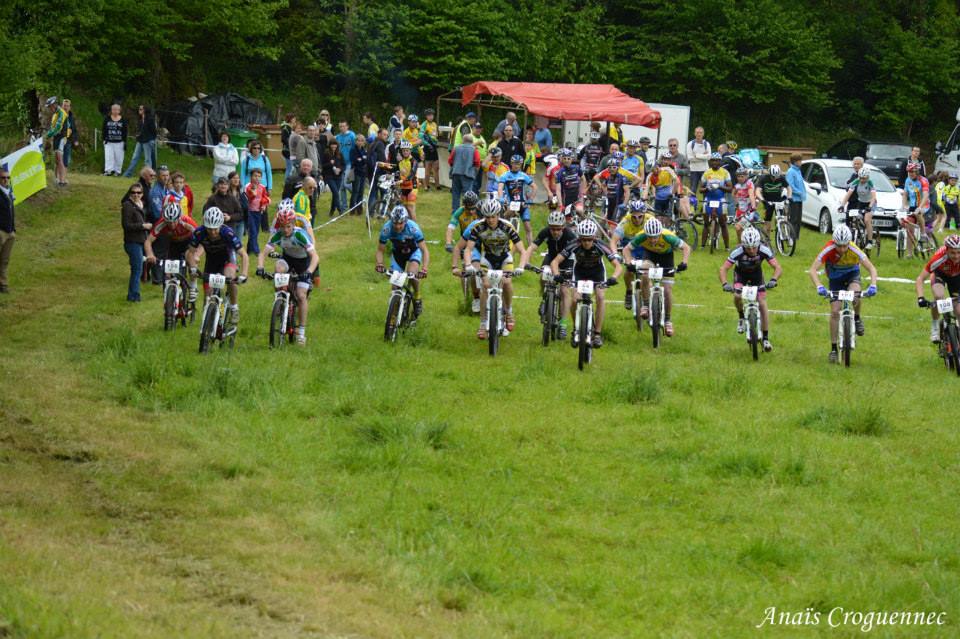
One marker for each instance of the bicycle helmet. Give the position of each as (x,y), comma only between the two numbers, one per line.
(594,135)
(644,140)
(666,156)
(613,164)
(412,118)
(632,143)
(912,166)
(551,160)
(952,175)
(172,212)
(516,159)
(637,206)
(496,152)
(750,238)
(864,172)
(470,199)
(842,235)
(556,218)
(285,206)
(952,241)
(399,214)
(213,218)
(52,100)
(617,155)
(405,144)
(742,171)
(285,217)
(775,170)
(587,228)
(653,228)
(716,156)
(490,208)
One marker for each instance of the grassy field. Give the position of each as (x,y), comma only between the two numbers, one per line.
(424,489)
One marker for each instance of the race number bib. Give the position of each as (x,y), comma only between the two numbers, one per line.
(749,293)
(845,296)
(945,306)
(398,278)
(217,281)
(171,267)
(585,287)
(281,279)
(655,273)
(515,205)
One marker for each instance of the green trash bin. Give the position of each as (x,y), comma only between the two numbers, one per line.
(240,137)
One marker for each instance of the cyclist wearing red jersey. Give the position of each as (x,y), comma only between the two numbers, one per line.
(550,181)
(943,270)
(179,229)
(744,201)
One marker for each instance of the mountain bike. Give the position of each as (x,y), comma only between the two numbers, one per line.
(387,195)
(658,307)
(712,210)
(583,320)
(949,347)
(924,243)
(745,223)
(176,290)
(847,334)
(400,306)
(550,307)
(283,316)
(215,326)
(511,213)
(496,318)
(858,228)
(751,312)
(783,230)
(683,228)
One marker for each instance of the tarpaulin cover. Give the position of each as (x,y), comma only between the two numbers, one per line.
(601,102)
(184,120)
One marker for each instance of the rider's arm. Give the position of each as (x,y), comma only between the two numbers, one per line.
(873,270)
(555,264)
(468,252)
(379,256)
(314,260)
(814,272)
(617,267)
(686,252)
(726,266)
(845,198)
(753,196)
(924,275)
(148,248)
(422,244)
(777,269)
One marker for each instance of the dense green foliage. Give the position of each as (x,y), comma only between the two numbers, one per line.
(756,70)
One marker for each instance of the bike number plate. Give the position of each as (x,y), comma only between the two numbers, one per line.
(494,277)
(655,273)
(171,267)
(398,278)
(217,281)
(515,205)
(546,275)
(281,279)
(585,287)
(749,293)
(945,306)
(845,296)
(713,205)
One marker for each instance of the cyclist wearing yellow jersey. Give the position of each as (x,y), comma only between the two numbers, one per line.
(951,197)
(628,228)
(460,220)
(655,246)
(412,135)
(714,184)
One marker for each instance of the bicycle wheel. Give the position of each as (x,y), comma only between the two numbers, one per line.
(930,244)
(393,319)
(901,243)
(493,326)
(655,302)
(753,323)
(687,232)
(548,316)
(586,340)
(847,337)
(637,301)
(876,244)
(276,324)
(291,327)
(169,307)
(467,294)
(714,233)
(208,328)
(954,341)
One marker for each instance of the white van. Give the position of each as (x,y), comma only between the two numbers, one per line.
(948,155)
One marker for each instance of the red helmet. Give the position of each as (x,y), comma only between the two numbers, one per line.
(285,217)
(912,166)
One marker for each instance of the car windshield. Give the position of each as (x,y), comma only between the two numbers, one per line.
(839,175)
(887,151)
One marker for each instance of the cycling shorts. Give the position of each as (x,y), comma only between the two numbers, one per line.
(60,144)
(496,262)
(661,207)
(596,274)
(217,262)
(748,279)
(408,195)
(177,250)
(952,283)
(769,209)
(710,211)
(430,153)
(843,282)
(663,260)
(400,264)
(298,265)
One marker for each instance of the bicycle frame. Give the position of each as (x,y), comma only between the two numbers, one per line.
(655,276)
(281,282)
(217,283)
(846,299)
(402,288)
(495,292)
(585,289)
(173,277)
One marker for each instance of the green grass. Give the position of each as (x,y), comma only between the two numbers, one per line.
(424,489)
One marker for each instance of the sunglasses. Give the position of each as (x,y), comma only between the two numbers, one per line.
(136,192)
(4,177)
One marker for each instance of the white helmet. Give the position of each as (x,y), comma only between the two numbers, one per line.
(775,170)
(213,218)
(551,160)
(556,218)
(842,235)
(285,206)
(864,172)
(750,238)
(490,208)
(172,212)
(399,214)
(653,227)
(587,228)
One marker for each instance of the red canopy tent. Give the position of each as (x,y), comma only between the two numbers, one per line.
(601,102)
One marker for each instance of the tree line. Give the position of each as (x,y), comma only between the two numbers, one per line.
(758,70)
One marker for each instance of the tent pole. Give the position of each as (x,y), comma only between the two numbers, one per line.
(656,151)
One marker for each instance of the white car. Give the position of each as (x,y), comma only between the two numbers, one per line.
(826,182)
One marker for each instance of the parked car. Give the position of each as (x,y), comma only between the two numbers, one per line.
(948,155)
(827,182)
(889,157)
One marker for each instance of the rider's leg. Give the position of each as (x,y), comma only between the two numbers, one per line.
(301,294)
(723,229)
(598,310)
(764,317)
(667,299)
(868,224)
(834,322)
(230,272)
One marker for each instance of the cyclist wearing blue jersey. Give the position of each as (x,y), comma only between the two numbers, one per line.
(916,199)
(221,247)
(409,251)
(715,183)
(512,191)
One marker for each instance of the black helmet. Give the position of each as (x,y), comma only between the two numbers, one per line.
(470,199)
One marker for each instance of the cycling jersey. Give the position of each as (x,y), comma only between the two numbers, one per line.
(942,266)
(589,258)
(297,245)
(552,177)
(494,171)
(494,241)
(515,185)
(462,218)
(662,183)
(301,204)
(741,197)
(714,179)
(554,246)
(631,163)
(627,230)
(839,266)
(863,193)
(590,156)
(615,182)
(938,190)
(569,178)
(407,168)
(404,243)
(771,189)
(179,231)
(915,190)
(666,242)
(227,241)
(530,163)
(748,265)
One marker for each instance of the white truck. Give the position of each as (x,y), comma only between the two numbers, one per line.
(674,123)
(948,155)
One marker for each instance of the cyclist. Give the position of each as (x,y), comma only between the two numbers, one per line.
(916,200)
(628,228)
(656,246)
(557,236)
(407,178)
(571,183)
(662,184)
(409,251)
(221,247)
(842,259)
(616,184)
(943,270)
(512,191)
(494,168)
(493,238)
(179,228)
(773,188)
(587,254)
(744,201)
(298,257)
(861,195)
(747,263)
(590,155)
(632,162)
(460,221)
(299,220)
(550,181)
(715,183)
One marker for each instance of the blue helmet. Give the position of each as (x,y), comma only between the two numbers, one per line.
(399,214)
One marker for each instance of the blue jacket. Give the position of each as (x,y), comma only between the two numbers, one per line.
(795,180)
(263,163)
(157,194)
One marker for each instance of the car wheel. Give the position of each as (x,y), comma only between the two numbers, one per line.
(825,223)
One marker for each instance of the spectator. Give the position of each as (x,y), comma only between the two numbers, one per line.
(179,193)
(332,171)
(914,158)
(632,162)
(135,227)
(258,199)
(227,202)
(72,139)
(465,126)
(481,145)
(529,158)
(346,138)
(798,194)
(358,165)
(235,188)
(377,163)
(286,128)
(313,152)
(511,121)
(298,147)
(158,193)
(146,146)
(429,133)
(372,127)
(678,160)
(698,153)
(323,122)
(544,140)
(393,149)
(57,133)
(412,135)
(396,120)
(293,183)
(643,152)
(464,164)
(305,199)
(225,158)
(8,230)
(255,158)
(146,181)
(114,140)
(510,145)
